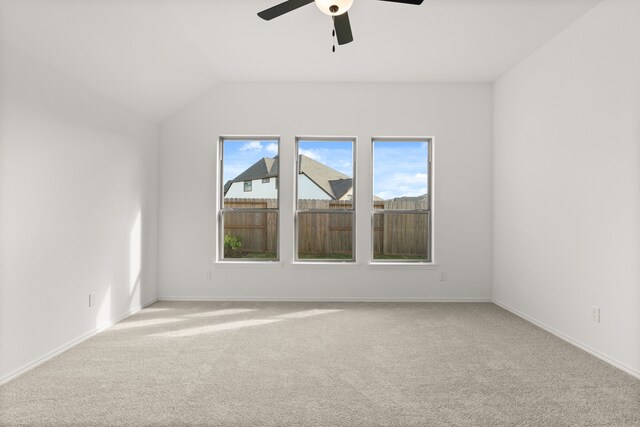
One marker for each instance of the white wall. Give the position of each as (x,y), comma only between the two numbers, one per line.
(78,206)
(259,190)
(458,116)
(308,189)
(567,184)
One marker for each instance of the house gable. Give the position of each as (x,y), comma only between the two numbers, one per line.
(319,182)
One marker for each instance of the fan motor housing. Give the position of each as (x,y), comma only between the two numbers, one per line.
(334,7)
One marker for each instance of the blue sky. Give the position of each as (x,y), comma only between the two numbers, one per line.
(239,155)
(335,154)
(400,168)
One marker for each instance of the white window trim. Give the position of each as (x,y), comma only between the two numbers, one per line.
(431,263)
(326,262)
(322,264)
(248,263)
(219,259)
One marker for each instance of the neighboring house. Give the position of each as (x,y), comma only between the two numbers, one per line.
(259,181)
(413,199)
(316,181)
(408,202)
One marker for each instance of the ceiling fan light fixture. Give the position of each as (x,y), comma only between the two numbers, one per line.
(334,7)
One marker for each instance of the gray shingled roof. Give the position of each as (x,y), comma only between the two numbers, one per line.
(332,182)
(266,167)
(340,187)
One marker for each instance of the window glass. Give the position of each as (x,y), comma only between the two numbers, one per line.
(401,223)
(250,199)
(325,200)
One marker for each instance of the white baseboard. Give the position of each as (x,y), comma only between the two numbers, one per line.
(73,343)
(610,360)
(282,299)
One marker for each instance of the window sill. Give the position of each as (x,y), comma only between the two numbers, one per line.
(248,264)
(323,265)
(403,265)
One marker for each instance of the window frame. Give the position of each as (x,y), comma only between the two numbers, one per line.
(352,211)
(221,210)
(430,203)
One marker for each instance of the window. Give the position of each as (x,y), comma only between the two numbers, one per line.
(325,199)
(249,207)
(401,205)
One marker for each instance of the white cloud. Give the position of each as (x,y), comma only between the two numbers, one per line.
(233,170)
(252,146)
(401,185)
(312,154)
(345,166)
(400,169)
(405,178)
(272,148)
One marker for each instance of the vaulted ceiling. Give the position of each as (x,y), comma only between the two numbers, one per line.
(155,56)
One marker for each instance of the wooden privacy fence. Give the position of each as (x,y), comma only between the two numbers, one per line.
(325,233)
(258,231)
(394,233)
(400,233)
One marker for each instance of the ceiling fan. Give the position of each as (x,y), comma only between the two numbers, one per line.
(338,9)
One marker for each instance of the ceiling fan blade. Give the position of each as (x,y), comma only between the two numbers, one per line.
(343,28)
(282,8)
(416,2)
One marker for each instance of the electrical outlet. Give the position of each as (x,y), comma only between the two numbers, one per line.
(443,276)
(595,314)
(207,275)
(92,299)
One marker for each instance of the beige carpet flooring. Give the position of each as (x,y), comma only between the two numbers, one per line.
(322,364)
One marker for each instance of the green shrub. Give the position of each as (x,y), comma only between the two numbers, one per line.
(232,245)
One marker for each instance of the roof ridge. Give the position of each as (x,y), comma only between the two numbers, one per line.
(333,182)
